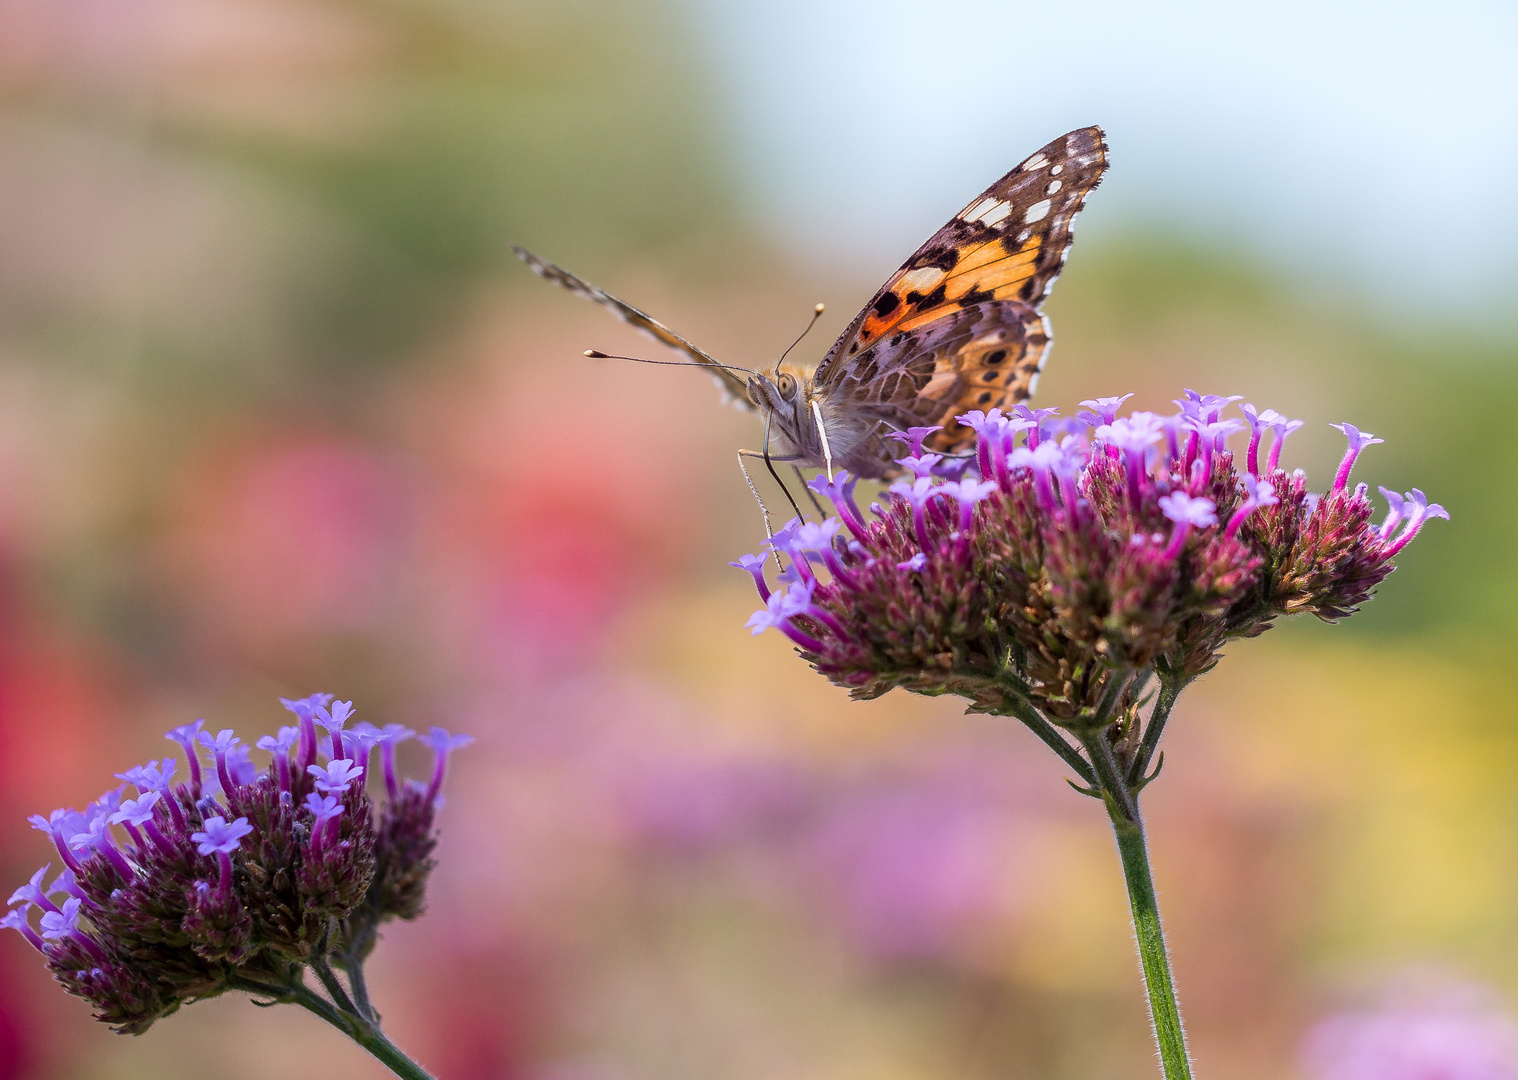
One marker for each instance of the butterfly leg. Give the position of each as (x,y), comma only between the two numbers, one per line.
(763,509)
(754,491)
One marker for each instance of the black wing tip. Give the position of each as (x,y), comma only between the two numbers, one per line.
(1082,142)
(528,257)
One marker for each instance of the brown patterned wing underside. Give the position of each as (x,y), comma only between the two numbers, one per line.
(981,357)
(1009,244)
(731,384)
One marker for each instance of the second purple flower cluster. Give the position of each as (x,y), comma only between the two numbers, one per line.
(228,878)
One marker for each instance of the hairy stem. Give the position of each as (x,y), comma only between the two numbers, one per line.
(1047,733)
(359,1028)
(1128,828)
(355,970)
(1163,1009)
(1170,689)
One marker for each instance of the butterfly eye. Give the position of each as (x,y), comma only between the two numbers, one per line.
(787,385)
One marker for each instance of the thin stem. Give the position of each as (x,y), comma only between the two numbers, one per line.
(1120,800)
(1119,789)
(393,1058)
(1128,828)
(1170,689)
(1117,682)
(1155,961)
(330,982)
(355,970)
(358,1028)
(1023,710)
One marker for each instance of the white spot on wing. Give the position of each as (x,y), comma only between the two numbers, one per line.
(996,214)
(1037,161)
(1054,186)
(1037,212)
(988,211)
(1055,170)
(923,279)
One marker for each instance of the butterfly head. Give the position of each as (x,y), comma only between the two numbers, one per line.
(784,398)
(781,393)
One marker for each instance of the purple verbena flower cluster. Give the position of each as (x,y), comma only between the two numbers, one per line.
(1071,549)
(232,878)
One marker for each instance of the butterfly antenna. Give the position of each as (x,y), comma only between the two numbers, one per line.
(816,314)
(597,354)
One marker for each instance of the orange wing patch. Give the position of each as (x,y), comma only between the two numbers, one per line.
(996,369)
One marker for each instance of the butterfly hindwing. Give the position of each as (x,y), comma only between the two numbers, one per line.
(731,384)
(1008,244)
(978,357)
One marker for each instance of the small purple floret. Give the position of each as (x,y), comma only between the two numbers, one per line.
(338,775)
(840,492)
(442,744)
(1106,408)
(217,834)
(17,920)
(782,606)
(754,564)
(914,437)
(188,736)
(136,812)
(1358,440)
(61,923)
(391,736)
(33,892)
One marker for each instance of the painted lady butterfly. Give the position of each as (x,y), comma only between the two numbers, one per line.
(958,327)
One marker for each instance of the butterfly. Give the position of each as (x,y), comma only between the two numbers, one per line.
(958,327)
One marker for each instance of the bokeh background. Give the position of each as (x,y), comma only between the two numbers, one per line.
(280,413)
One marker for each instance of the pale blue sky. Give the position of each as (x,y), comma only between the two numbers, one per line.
(1375,143)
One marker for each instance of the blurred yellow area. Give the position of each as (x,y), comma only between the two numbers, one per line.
(279,413)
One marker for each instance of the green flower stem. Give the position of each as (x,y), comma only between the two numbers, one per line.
(1128,827)
(1022,709)
(390,1055)
(1170,689)
(358,1028)
(1163,1010)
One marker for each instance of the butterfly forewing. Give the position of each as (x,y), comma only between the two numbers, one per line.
(1000,255)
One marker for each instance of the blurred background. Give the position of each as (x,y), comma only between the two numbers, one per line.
(280,413)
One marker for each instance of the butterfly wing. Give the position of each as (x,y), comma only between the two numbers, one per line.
(731,384)
(1000,255)
(973,358)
